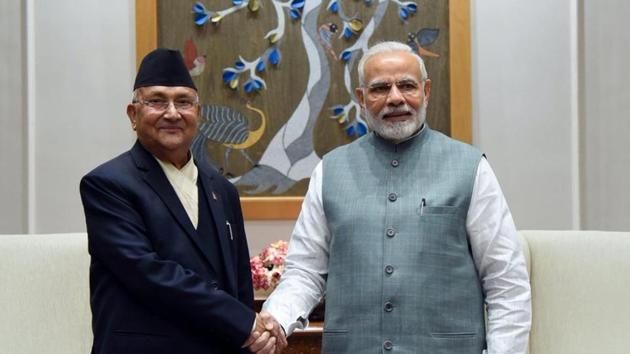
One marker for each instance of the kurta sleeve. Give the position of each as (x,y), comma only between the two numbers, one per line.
(501,265)
(306,265)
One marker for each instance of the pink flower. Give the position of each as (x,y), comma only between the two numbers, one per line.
(267,267)
(278,260)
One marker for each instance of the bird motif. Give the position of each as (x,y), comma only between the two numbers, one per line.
(325,37)
(424,37)
(230,128)
(194,62)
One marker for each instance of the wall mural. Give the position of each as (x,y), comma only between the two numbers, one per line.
(276,78)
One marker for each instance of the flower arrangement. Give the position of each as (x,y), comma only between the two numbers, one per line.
(267,267)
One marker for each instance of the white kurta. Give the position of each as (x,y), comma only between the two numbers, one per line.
(496,253)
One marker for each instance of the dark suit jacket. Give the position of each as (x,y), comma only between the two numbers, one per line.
(153,287)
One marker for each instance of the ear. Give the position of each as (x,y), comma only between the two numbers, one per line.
(132,113)
(427,90)
(198,111)
(360,96)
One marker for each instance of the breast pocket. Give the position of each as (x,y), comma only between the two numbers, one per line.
(441,210)
(443,230)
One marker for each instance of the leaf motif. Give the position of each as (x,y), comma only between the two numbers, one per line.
(274,57)
(260,67)
(403,13)
(201,19)
(337,110)
(239,65)
(258,84)
(412,8)
(295,14)
(350,130)
(229,75)
(253,5)
(199,8)
(346,55)
(342,119)
(427,36)
(361,129)
(347,33)
(237,2)
(234,84)
(216,18)
(333,6)
(356,25)
(297,4)
(249,86)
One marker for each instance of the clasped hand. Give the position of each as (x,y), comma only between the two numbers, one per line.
(267,337)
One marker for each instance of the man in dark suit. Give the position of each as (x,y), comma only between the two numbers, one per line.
(169,266)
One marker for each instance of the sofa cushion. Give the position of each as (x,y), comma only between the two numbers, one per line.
(44,294)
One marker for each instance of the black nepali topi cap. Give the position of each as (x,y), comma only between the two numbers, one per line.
(163,67)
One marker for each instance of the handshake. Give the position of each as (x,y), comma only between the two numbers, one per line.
(267,337)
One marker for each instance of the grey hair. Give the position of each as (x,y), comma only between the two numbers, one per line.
(134,95)
(388,47)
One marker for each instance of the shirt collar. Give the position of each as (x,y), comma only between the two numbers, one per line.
(189,170)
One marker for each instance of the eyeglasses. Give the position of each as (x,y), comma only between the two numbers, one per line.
(380,90)
(158,104)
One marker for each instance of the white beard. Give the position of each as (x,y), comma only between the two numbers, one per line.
(396,131)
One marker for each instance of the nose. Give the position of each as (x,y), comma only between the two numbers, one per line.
(171,112)
(395,97)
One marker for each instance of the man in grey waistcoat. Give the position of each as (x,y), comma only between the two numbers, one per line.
(407,233)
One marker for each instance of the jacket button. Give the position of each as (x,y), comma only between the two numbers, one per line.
(388,345)
(395,163)
(390,232)
(389,307)
(392,197)
(389,269)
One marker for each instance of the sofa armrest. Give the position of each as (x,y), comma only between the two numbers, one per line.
(580,290)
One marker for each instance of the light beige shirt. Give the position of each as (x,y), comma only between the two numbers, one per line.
(184,182)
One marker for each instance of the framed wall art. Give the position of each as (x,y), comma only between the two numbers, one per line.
(276,80)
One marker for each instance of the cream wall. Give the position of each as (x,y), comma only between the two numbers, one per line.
(550,109)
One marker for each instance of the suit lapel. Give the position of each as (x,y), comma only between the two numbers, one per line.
(156,179)
(220,223)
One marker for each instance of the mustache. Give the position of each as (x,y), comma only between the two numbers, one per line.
(402,109)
